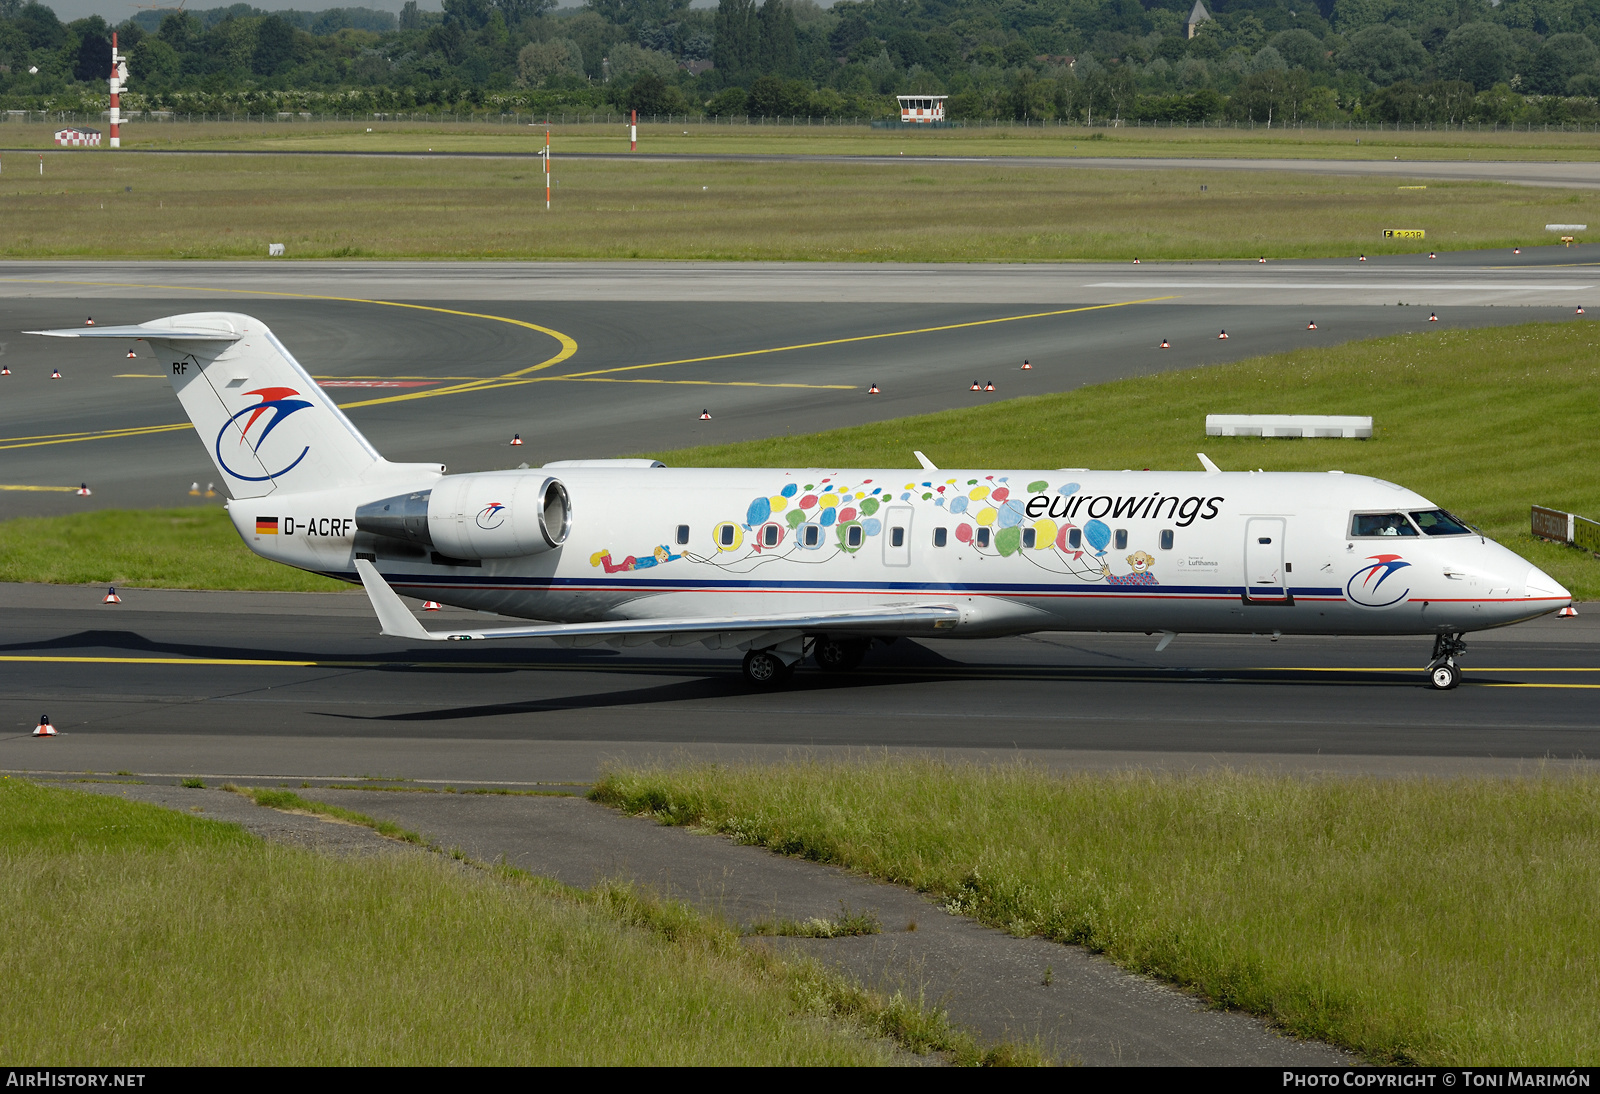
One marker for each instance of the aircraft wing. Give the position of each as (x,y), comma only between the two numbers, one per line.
(146,331)
(396,620)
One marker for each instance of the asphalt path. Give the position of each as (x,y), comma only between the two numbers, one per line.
(421,352)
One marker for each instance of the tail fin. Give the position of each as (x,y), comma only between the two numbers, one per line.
(267,425)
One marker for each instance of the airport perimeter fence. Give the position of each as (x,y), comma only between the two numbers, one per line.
(596,118)
(1569,528)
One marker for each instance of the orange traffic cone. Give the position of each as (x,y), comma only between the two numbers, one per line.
(516,440)
(1433,317)
(1567,613)
(44,728)
(1222,335)
(430,606)
(873,390)
(989,386)
(705,415)
(111,596)
(83,490)
(1311,325)
(55,374)
(1164,344)
(1027,366)
(976,386)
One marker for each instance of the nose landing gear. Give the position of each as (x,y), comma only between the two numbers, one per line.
(1443,672)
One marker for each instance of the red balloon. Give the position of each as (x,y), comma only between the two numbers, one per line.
(808,501)
(964,533)
(1000,493)
(846,514)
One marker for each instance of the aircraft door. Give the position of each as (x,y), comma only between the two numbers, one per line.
(1264,578)
(897,535)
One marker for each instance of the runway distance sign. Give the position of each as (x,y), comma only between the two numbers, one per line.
(1404,233)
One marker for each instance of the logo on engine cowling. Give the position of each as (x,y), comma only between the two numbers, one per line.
(1367,586)
(492,516)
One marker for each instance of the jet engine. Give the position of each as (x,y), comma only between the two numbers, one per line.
(476,516)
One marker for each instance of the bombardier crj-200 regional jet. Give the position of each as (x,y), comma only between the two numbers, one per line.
(782,562)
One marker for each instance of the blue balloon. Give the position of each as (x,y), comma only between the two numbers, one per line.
(958,504)
(1098,535)
(789,491)
(760,510)
(1068,490)
(872,526)
(1010,514)
(938,501)
(827,516)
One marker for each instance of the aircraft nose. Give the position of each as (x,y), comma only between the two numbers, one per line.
(1541,586)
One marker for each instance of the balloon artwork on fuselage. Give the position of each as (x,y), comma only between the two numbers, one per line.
(813,522)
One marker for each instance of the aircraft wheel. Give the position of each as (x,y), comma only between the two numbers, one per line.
(766,669)
(1444,677)
(839,654)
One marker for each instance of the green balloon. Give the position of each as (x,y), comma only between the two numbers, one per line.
(1035,487)
(869,506)
(1008,541)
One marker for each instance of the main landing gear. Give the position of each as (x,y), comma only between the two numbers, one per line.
(1443,672)
(774,668)
(840,654)
(765,669)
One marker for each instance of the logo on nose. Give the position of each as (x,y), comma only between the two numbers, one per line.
(1370,586)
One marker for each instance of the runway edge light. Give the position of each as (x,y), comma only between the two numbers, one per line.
(44,728)
(111,596)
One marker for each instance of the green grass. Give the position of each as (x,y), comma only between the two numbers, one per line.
(1440,922)
(154,549)
(352,207)
(162,938)
(849,923)
(1483,422)
(1065,141)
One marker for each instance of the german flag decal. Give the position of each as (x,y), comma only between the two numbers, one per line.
(266,526)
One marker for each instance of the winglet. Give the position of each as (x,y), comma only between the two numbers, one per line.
(927,464)
(394,618)
(1205,462)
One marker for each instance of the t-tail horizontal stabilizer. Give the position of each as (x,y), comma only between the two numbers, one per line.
(396,620)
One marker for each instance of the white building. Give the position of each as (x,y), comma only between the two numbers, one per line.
(922,109)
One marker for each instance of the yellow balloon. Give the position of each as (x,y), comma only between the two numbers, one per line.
(779,503)
(978,493)
(1044,534)
(828,499)
(987,516)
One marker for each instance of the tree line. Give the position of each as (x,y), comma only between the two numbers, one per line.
(1265,61)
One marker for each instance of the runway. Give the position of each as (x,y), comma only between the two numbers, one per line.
(444,362)
(300,686)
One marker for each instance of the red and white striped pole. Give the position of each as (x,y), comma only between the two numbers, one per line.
(119,76)
(547,170)
(633,133)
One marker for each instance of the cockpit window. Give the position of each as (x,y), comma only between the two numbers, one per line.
(1380,524)
(1436,522)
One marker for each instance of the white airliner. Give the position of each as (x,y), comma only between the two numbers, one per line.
(782,562)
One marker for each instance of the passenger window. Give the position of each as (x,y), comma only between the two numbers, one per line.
(727,535)
(1436,522)
(1121,539)
(1166,539)
(1380,524)
(897,537)
(769,536)
(982,538)
(1075,538)
(853,536)
(1028,536)
(939,537)
(683,534)
(813,535)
